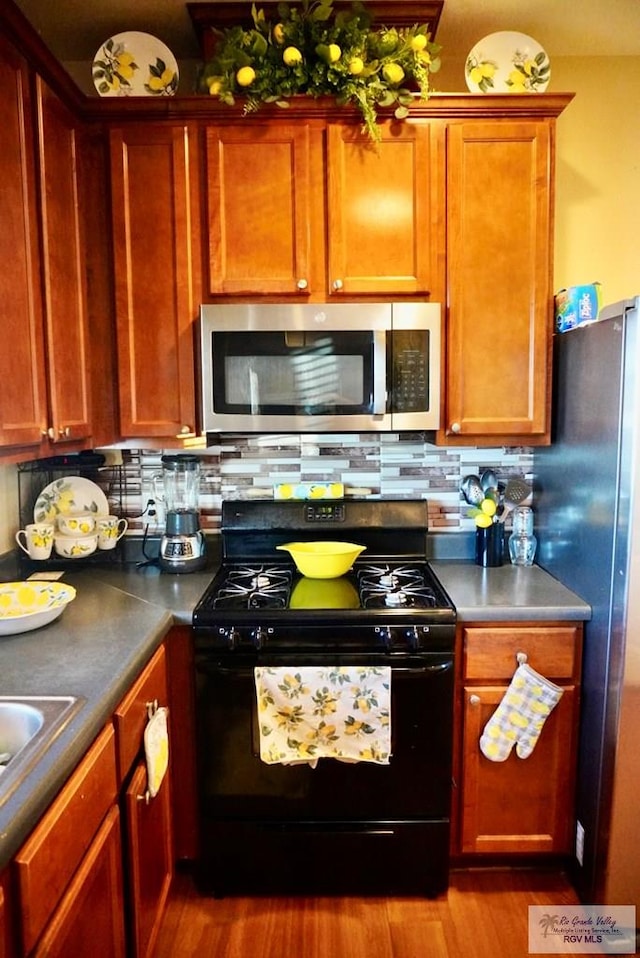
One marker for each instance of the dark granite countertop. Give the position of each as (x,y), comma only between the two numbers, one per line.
(99,645)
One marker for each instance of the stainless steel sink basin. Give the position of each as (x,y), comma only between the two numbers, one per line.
(29,724)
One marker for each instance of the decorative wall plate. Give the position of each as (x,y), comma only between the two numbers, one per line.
(135,64)
(507,62)
(70,496)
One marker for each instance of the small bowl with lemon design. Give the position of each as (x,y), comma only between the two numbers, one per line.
(25,606)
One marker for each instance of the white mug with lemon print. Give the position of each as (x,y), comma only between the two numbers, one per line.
(110,531)
(82,525)
(38,539)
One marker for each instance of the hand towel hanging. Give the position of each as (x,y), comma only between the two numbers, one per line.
(309,713)
(519,718)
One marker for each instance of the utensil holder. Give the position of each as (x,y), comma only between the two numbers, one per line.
(490,545)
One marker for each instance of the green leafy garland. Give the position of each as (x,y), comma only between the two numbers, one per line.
(313,51)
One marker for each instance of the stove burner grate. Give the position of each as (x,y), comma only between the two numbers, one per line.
(254,587)
(402,586)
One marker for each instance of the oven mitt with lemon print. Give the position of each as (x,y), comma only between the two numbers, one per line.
(519,718)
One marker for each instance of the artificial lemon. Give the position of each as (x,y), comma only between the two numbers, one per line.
(488,506)
(393,73)
(418,42)
(334,53)
(245,76)
(278,33)
(215,85)
(292,56)
(356,66)
(483,521)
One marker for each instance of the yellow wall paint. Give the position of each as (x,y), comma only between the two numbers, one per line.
(8,507)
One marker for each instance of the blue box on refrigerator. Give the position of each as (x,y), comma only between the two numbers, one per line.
(577,305)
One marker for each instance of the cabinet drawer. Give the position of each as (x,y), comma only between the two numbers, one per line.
(131,716)
(49,858)
(491,653)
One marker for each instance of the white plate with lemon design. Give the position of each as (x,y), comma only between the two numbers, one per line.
(135,64)
(507,62)
(25,606)
(70,496)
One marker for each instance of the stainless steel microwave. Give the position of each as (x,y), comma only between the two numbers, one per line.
(320,368)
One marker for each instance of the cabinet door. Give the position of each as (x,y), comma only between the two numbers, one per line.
(258,203)
(499,197)
(154,279)
(386,210)
(89,920)
(149,859)
(63,269)
(22,384)
(520,805)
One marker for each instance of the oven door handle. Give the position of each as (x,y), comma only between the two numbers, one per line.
(421,669)
(247,671)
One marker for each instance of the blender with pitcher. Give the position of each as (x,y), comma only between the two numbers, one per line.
(182,547)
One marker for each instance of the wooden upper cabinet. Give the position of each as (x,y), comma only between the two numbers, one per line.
(258,206)
(63,269)
(154,278)
(385,210)
(500,324)
(22,382)
(319,210)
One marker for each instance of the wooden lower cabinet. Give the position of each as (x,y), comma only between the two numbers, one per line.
(93,877)
(89,919)
(518,806)
(149,859)
(70,869)
(147,826)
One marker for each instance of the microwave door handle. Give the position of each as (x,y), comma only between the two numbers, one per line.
(379,372)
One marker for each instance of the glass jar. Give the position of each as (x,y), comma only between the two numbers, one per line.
(522,541)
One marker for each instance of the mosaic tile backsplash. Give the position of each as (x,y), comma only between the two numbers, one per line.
(389,465)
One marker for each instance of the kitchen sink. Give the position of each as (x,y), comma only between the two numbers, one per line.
(29,724)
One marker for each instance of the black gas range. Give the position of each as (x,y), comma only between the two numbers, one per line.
(362,826)
(390,601)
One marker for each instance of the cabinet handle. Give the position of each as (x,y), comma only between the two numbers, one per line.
(474,700)
(337,285)
(302,284)
(521,657)
(455,427)
(64,432)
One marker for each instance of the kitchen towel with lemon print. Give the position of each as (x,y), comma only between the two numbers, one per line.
(311,712)
(519,718)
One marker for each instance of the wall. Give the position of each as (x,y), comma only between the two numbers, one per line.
(597,209)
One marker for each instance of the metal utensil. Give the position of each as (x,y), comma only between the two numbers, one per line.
(515,493)
(488,480)
(472,490)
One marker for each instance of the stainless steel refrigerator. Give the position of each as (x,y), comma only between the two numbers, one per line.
(588,525)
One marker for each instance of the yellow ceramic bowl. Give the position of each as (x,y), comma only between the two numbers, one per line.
(25,606)
(323,560)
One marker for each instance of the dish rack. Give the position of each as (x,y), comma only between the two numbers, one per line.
(35,476)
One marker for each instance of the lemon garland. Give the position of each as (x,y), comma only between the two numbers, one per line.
(315,52)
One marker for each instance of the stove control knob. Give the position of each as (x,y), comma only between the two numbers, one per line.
(230,636)
(385,635)
(259,635)
(413,638)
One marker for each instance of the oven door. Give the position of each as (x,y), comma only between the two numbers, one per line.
(416,784)
(336,829)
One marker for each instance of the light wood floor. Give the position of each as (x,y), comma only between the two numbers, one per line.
(483,915)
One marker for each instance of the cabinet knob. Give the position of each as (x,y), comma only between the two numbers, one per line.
(455,427)
(64,432)
(474,700)
(302,284)
(337,285)
(50,433)
(185,431)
